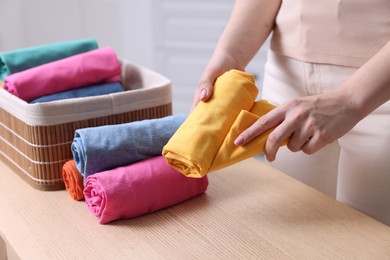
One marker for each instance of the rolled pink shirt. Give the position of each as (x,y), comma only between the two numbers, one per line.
(139,188)
(97,66)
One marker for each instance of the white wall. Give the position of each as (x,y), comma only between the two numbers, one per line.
(11,35)
(173,37)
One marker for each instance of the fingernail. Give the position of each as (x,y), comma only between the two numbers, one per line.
(239,140)
(203,93)
(270,159)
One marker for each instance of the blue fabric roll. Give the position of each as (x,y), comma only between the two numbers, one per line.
(94,90)
(97,149)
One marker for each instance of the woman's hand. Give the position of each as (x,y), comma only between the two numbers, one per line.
(219,64)
(308,123)
(249,26)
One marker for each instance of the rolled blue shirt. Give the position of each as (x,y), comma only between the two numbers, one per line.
(97,149)
(89,91)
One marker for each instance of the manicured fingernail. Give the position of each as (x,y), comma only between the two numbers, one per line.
(270,159)
(239,140)
(203,93)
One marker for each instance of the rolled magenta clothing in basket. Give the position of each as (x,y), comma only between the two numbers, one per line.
(73,180)
(210,130)
(89,68)
(22,59)
(97,149)
(139,188)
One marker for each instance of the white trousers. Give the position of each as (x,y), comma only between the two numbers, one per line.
(355,169)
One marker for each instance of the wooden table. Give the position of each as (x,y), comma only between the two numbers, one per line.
(250,211)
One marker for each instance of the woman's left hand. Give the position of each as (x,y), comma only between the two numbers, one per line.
(307,123)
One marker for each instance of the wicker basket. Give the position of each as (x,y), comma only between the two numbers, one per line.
(35,139)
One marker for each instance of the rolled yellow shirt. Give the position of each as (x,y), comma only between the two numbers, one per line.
(229,153)
(205,141)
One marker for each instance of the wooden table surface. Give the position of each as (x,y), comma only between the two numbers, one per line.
(250,211)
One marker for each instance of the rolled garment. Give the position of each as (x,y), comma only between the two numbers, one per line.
(89,68)
(89,91)
(210,130)
(229,153)
(97,149)
(22,59)
(139,188)
(73,179)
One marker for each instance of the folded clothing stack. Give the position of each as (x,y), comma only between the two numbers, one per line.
(123,171)
(22,59)
(61,70)
(102,148)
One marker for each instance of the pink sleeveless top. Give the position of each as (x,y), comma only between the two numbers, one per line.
(340,32)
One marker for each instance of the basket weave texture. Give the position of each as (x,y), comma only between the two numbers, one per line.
(35,139)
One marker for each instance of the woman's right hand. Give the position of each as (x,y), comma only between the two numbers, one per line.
(249,26)
(219,64)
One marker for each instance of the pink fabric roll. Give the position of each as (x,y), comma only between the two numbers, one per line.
(97,66)
(139,188)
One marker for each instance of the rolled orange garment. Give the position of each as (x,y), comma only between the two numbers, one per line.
(205,141)
(73,179)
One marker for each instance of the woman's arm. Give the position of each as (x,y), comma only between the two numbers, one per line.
(369,87)
(250,24)
(310,123)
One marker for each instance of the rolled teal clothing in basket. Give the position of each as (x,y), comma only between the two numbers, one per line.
(103,148)
(94,90)
(22,59)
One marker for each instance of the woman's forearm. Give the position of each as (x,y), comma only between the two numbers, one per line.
(369,87)
(249,26)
